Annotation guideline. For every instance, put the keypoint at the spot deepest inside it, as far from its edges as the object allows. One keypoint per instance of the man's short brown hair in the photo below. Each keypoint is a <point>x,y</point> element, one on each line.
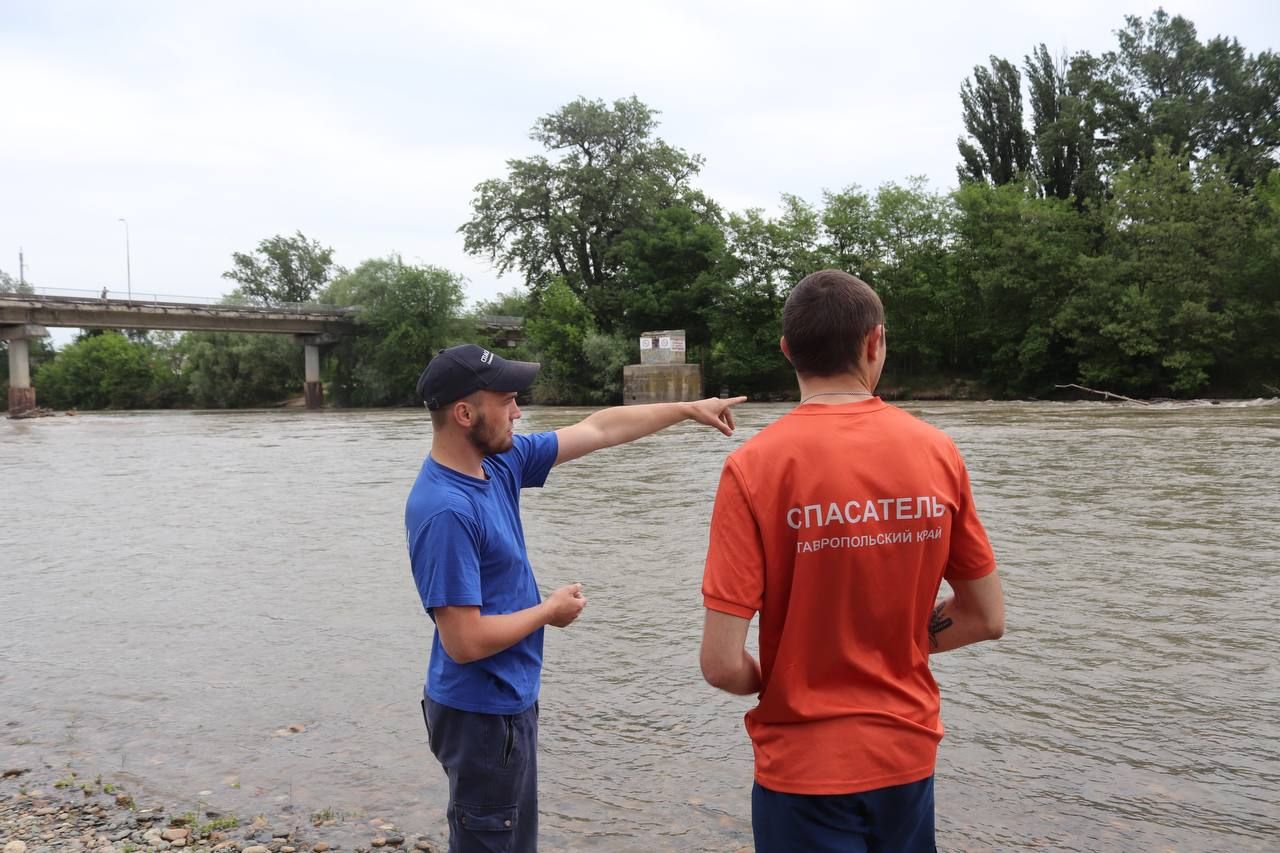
<point>827,318</point>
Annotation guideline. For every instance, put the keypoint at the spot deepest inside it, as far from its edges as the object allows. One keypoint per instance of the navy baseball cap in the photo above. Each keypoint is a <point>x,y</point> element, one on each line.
<point>458,371</point>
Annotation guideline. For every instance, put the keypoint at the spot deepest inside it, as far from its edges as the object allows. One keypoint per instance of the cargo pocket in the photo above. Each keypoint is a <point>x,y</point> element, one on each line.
<point>488,828</point>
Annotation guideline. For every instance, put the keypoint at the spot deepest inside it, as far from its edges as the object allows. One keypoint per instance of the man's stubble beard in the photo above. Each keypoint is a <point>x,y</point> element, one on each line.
<point>481,441</point>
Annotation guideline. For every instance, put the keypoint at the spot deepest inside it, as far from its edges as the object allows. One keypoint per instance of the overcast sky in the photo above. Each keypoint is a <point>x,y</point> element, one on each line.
<point>366,125</point>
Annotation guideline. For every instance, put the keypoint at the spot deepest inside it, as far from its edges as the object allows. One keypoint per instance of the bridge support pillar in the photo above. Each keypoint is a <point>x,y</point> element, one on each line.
<point>314,388</point>
<point>22,397</point>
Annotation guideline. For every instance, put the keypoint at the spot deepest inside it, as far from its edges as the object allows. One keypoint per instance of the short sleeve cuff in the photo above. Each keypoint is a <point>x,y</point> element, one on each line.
<point>542,448</point>
<point>959,573</point>
<point>721,606</point>
<point>457,601</point>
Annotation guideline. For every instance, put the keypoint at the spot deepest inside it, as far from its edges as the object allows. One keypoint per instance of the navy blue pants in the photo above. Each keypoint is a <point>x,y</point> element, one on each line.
<point>492,764</point>
<point>890,820</point>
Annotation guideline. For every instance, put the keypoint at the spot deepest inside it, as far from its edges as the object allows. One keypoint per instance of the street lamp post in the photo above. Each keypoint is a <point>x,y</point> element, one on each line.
<point>128,269</point>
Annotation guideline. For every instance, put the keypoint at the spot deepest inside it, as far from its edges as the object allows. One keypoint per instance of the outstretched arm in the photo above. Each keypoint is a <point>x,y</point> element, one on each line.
<point>975,613</point>
<point>620,424</point>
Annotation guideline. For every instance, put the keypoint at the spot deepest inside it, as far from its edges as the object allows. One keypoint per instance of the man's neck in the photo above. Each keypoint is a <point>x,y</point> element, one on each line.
<point>455,452</point>
<point>835,390</point>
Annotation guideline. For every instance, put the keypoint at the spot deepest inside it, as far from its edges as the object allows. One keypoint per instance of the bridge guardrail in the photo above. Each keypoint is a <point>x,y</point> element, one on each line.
<point>62,294</point>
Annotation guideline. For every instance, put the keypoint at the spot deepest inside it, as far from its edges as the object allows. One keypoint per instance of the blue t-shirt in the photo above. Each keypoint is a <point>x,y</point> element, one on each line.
<point>466,546</point>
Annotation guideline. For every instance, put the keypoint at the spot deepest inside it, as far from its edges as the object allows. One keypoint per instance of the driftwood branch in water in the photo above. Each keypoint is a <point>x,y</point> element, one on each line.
<point>1107,394</point>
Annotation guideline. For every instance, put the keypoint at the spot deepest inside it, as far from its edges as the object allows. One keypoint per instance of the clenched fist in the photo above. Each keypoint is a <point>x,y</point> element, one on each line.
<point>565,604</point>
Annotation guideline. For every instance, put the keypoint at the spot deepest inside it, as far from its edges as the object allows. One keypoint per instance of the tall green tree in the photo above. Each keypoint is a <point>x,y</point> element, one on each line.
<point>997,148</point>
<point>1242,122</point>
<point>914,274</point>
<point>562,216</point>
<point>769,256</point>
<point>1166,88</point>
<point>1158,88</point>
<point>1019,258</point>
<point>1251,365</point>
<point>1064,122</point>
<point>558,331</point>
<point>1153,318</point>
<point>672,274</point>
<point>283,270</point>
<point>409,312</point>
<point>852,238</point>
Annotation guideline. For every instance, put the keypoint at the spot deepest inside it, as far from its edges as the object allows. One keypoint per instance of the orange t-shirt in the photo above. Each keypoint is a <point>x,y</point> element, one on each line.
<point>837,525</point>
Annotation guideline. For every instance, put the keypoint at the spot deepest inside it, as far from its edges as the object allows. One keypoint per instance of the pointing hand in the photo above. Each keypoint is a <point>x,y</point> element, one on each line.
<point>715,412</point>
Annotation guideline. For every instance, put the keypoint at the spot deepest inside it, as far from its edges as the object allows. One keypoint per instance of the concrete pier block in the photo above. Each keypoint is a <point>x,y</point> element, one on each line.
<point>661,383</point>
<point>312,363</point>
<point>22,397</point>
<point>314,394</point>
<point>21,400</point>
<point>313,389</point>
<point>19,363</point>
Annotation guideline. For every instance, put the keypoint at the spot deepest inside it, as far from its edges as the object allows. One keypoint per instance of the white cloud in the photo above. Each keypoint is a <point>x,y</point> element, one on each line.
<point>366,126</point>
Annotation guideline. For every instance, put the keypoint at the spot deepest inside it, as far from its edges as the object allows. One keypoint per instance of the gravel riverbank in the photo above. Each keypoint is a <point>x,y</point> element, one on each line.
<point>59,812</point>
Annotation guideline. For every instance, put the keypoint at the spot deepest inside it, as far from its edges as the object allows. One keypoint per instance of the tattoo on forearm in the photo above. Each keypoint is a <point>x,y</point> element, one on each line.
<point>937,624</point>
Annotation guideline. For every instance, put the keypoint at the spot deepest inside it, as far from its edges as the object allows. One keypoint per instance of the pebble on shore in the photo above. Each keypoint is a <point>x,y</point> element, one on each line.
<point>48,816</point>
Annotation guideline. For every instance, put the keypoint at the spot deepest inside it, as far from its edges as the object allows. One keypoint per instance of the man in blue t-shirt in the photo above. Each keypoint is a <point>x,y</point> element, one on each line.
<point>467,550</point>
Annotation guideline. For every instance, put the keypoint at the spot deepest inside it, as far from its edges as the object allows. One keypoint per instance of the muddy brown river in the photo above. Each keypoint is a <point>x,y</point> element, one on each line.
<point>177,589</point>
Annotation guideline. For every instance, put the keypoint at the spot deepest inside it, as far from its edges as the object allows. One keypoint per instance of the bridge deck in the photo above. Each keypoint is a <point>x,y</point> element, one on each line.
<point>90,313</point>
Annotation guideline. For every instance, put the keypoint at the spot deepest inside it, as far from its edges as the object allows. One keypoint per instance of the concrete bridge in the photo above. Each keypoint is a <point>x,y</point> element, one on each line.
<point>24,316</point>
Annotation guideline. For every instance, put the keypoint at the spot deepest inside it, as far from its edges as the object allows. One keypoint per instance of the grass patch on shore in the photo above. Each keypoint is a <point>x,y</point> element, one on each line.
<point>325,815</point>
<point>202,829</point>
<point>97,786</point>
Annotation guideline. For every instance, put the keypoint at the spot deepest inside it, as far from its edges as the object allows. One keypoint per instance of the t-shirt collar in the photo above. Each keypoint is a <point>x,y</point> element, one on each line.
<point>870,404</point>
<point>459,477</point>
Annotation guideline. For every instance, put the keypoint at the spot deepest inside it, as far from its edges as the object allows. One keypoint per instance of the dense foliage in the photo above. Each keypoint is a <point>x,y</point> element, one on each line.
<point>283,270</point>
<point>108,371</point>
<point>1116,224</point>
<point>408,312</point>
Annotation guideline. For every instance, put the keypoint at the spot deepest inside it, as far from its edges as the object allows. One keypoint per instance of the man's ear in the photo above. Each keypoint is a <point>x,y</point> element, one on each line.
<point>462,413</point>
<point>786,350</point>
<point>872,347</point>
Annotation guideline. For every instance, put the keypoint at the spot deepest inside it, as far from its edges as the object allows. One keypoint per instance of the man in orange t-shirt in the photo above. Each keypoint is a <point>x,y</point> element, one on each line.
<point>838,524</point>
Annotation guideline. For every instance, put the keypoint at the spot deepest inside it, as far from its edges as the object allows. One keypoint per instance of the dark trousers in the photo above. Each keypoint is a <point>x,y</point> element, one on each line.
<point>887,820</point>
<point>492,764</point>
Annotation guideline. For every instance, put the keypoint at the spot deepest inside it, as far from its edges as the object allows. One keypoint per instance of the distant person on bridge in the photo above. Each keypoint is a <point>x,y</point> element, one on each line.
<point>837,524</point>
<point>467,551</point>
<point>104,294</point>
